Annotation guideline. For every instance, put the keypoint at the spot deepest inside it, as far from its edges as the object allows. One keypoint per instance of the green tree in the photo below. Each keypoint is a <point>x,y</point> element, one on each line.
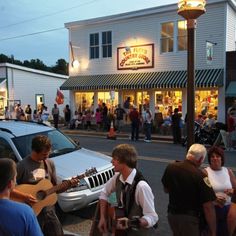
<point>61,66</point>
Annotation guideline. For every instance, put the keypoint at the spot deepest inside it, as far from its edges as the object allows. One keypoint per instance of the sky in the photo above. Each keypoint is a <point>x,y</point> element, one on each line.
<point>22,20</point>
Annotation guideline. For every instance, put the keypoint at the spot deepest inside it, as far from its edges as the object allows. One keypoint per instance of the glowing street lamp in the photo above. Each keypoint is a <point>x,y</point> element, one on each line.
<point>191,10</point>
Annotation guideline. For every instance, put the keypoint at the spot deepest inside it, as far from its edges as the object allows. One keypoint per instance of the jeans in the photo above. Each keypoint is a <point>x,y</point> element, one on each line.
<point>135,130</point>
<point>148,127</point>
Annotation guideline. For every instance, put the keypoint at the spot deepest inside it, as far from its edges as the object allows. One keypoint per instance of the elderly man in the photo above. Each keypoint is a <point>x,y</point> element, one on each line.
<point>189,192</point>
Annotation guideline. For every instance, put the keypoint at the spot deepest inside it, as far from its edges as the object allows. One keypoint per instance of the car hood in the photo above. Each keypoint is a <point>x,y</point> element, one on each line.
<point>77,162</point>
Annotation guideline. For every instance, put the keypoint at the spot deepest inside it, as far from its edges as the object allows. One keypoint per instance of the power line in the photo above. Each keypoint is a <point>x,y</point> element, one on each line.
<point>30,34</point>
<point>47,15</point>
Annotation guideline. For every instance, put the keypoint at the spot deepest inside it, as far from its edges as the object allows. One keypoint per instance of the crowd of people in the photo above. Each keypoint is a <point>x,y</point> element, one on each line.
<point>202,201</point>
<point>41,114</point>
<point>140,119</point>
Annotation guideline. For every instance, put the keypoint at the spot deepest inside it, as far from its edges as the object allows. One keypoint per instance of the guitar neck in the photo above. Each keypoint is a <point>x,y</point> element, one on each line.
<point>62,187</point>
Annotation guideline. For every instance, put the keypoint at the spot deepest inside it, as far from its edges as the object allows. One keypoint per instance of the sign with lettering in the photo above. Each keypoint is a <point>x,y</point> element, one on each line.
<point>135,57</point>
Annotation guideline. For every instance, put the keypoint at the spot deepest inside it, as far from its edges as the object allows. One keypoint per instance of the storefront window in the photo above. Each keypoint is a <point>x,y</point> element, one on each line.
<point>110,98</point>
<point>84,101</point>
<point>206,102</point>
<point>143,100</point>
<point>1,105</point>
<point>167,101</point>
<point>129,99</point>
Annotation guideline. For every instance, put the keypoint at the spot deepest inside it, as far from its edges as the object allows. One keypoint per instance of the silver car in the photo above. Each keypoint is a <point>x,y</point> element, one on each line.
<point>70,160</point>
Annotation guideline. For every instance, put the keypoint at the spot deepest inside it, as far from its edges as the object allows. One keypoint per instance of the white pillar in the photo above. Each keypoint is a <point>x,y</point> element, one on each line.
<point>120,98</point>
<point>184,102</point>
<point>95,100</point>
<point>152,101</point>
<point>71,102</point>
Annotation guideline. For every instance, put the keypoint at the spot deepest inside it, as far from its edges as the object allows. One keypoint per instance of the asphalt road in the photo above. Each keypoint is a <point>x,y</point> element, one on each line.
<point>153,159</point>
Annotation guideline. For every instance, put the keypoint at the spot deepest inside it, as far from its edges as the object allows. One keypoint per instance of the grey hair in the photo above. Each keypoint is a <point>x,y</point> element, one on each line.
<point>196,151</point>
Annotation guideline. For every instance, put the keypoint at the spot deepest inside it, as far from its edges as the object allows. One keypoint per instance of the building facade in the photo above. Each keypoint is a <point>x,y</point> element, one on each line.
<point>23,85</point>
<point>142,56</point>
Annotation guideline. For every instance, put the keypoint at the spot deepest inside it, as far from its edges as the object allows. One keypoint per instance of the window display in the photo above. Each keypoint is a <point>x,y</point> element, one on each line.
<point>167,101</point>
<point>206,102</point>
<point>84,101</point>
<point>110,98</point>
<point>143,100</point>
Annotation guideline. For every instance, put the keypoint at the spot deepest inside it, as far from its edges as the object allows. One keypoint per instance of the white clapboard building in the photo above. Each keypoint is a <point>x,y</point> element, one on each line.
<point>142,56</point>
<point>23,85</point>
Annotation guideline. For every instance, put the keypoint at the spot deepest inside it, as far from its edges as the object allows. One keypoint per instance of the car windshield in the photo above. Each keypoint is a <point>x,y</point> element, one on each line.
<point>61,144</point>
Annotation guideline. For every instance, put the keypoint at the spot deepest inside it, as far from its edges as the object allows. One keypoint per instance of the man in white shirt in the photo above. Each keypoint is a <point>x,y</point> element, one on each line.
<point>134,200</point>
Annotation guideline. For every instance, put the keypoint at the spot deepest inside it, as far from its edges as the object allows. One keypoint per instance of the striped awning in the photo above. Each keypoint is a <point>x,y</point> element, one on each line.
<point>150,80</point>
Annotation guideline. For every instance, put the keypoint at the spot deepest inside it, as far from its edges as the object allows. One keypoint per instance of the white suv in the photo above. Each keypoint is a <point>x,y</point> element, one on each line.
<point>69,158</point>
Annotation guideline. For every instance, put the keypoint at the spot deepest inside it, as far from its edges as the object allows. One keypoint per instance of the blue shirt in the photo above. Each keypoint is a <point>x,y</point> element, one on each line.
<point>17,219</point>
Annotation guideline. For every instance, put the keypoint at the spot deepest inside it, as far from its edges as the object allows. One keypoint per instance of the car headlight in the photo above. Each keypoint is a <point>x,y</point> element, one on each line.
<point>81,186</point>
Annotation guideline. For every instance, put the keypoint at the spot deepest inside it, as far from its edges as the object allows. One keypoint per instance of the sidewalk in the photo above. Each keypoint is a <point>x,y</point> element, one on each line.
<point>123,134</point>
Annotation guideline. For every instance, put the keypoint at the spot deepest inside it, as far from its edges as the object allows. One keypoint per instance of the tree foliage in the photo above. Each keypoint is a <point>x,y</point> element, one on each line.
<point>61,66</point>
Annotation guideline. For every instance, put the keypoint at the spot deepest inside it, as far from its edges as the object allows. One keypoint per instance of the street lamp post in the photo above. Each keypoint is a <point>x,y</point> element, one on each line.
<point>191,10</point>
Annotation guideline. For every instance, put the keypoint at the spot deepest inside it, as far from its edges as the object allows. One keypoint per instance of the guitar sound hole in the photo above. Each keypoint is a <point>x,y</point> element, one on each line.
<point>41,195</point>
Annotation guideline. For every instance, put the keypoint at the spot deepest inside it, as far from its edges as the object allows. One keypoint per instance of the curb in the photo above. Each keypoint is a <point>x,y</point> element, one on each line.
<point>118,135</point>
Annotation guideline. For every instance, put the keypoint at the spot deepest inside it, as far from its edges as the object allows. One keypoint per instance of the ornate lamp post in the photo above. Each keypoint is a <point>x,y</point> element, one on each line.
<point>191,10</point>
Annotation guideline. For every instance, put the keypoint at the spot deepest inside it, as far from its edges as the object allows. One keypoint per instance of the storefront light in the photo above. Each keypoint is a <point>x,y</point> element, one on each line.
<point>75,64</point>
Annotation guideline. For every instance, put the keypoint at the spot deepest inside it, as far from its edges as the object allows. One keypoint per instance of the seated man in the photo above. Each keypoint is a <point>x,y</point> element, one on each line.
<point>15,218</point>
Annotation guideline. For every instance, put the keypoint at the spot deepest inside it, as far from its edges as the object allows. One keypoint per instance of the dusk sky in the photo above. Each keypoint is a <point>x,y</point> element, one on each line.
<point>20,18</point>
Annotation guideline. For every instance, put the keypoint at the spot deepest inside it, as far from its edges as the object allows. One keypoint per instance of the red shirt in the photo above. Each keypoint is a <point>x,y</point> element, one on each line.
<point>134,115</point>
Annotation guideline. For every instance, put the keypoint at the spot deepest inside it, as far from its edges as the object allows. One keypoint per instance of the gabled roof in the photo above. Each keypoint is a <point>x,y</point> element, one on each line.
<point>23,68</point>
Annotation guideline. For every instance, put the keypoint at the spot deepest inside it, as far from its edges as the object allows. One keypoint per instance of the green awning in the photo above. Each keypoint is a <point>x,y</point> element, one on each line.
<point>231,89</point>
<point>150,80</point>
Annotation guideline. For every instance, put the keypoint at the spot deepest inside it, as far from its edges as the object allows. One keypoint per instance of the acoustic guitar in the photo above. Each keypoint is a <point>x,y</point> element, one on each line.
<point>113,216</point>
<point>46,193</point>
<point>116,217</point>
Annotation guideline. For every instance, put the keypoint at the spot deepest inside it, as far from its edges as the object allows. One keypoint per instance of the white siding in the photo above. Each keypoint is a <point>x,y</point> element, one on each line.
<point>24,85</point>
<point>230,29</point>
<point>146,29</point>
<point>2,73</point>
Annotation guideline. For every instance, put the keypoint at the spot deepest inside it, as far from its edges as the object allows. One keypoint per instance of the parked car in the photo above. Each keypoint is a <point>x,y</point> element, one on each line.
<point>70,160</point>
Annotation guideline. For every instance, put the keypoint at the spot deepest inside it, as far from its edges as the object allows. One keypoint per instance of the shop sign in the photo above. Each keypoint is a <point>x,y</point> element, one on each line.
<point>135,57</point>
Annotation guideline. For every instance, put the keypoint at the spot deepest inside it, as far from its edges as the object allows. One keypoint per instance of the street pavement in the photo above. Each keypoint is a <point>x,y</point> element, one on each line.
<point>153,159</point>
<point>122,134</point>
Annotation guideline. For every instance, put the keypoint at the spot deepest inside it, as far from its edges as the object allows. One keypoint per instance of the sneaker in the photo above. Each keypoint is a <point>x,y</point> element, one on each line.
<point>147,141</point>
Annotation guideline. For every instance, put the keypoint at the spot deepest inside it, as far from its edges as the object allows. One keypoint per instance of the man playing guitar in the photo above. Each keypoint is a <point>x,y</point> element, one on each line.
<point>33,169</point>
<point>135,200</point>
